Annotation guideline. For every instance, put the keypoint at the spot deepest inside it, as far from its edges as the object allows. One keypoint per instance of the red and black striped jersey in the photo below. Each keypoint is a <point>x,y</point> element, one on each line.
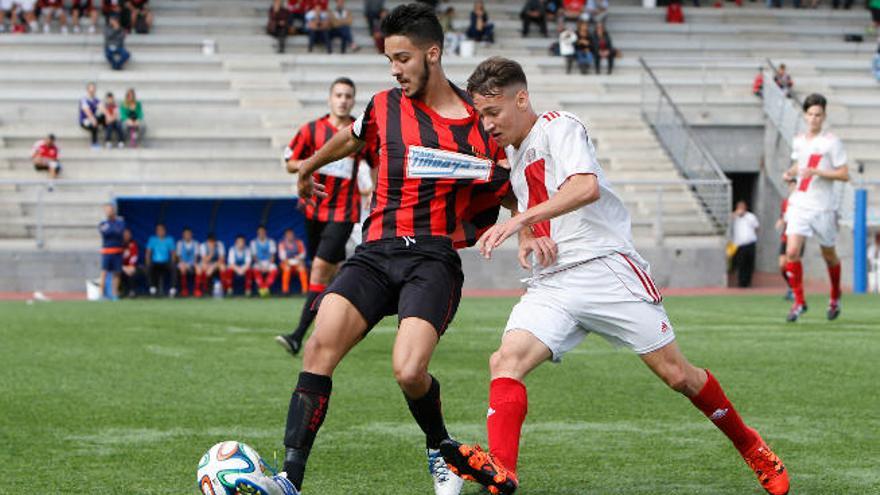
<point>339,178</point>
<point>436,176</point>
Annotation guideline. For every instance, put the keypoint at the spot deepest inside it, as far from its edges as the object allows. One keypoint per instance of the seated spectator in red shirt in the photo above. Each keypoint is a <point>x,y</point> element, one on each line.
<point>84,8</point>
<point>130,268</point>
<point>603,48</point>
<point>44,155</point>
<point>571,11</point>
<point>17,10</point>
<point>296,20</point>
<point>112,122</point>
<point>292,256</point>
<point>277,26</point>
<point>141,17</point>
<point>318,27</point>
<point>758,83</point>
<point>480,28</point>
<point>50,9</point>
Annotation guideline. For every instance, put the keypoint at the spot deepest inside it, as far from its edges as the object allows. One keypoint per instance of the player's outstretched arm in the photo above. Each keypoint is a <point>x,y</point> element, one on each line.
<point>839,173</point>
<point>578,191</point>
<point>341,145</point>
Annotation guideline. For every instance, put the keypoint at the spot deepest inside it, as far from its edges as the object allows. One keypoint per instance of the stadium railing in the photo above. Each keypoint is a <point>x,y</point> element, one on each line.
<point>654,196</point>
<point>689,154</point>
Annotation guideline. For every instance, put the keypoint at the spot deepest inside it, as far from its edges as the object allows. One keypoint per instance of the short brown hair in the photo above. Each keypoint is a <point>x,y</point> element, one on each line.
<point>813,100</point>
<point>495,74</point>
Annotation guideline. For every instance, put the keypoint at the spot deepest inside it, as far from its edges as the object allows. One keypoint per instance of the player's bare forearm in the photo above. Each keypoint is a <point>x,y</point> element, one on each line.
<point>341,145</point>
<point>839,173</point>
<point>578,191</point>
<point>294,165</point>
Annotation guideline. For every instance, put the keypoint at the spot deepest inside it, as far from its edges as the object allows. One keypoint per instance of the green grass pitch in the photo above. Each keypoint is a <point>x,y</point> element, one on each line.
<point>124,398</point>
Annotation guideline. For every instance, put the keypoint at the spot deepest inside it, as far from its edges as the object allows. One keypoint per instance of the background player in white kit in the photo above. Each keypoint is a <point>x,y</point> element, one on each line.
<point>819,160</point>
<point>589,279</point>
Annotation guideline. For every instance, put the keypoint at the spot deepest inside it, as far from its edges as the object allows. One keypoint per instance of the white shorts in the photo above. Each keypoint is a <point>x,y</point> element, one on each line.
<point>613,296</point>
<point>807,223</point>
<point>265,266</point>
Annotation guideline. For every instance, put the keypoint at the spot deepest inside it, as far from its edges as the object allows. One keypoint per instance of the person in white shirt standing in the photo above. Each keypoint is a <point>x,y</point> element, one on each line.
<point>587,277</point>
<point>744,235</point>
<point>818,160</point>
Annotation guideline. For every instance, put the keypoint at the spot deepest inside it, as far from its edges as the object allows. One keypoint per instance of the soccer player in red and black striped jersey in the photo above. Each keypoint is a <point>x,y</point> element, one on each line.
<point>440,180</point>
<point>329,219</point>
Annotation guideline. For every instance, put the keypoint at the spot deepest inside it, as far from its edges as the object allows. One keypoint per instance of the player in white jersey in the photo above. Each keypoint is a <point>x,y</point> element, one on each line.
<point>587,277</point>
<point>818,160</point>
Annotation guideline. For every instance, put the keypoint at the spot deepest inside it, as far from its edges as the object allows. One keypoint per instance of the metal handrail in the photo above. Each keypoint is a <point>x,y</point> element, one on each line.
<point>699,142</point>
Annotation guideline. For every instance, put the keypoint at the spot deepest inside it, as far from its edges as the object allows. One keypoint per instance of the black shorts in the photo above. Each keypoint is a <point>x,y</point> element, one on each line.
<point>327,240</point>
<point>875,15</point>
<point>420,279</point>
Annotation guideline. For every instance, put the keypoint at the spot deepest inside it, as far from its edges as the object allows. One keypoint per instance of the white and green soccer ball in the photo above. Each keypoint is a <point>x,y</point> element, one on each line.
<point>234,468</point>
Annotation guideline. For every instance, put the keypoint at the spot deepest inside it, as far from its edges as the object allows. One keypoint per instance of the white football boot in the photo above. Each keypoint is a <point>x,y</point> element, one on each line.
<point>445,482</point>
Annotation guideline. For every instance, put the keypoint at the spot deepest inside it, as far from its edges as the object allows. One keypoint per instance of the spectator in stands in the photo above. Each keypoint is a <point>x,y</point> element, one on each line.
<point>187,261</point>
<point>212,257</point>
<point>112,247</point>
<point>378,37</point>
<point>27,10</point>
<point>130,268</point>
<point>874,7</point>
<point>140,15</point>
<point>160,262</point>
<point>292,256</point>
<point>44,156</point>
<point>452,37</point>
<point>296,19</point>
<point>114,44</point>
<point>53,9</point>
<point>533,12</point>
<point>877,64</point>
<point>583,49</point>
<point>90,118</point>
<point>278,26</point>
<point>597,10</point>
<point>340,27</point>
<point>758,83</point>
<point>744,228</point>
<point>84,8</point>
<point>132,114</point>
<point>372,12</point>
<point>480,28</point>
<point>113,8</point>
<point>318,26</point>
<point>783,80</point>
<point>570,11</point>
<point>112,121</point>
<point>603,47</point>
<point>874,265</point>
<point>238,266</point>
<point>552,9</point>
<point>263,251</point>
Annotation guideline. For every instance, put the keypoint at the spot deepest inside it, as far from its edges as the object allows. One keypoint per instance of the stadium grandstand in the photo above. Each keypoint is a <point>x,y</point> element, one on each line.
<point>677,126</point>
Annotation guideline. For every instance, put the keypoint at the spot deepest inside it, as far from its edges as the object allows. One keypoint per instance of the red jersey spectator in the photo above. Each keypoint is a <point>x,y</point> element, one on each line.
<point>129,264</point>
<point>84,8</point>
<point>277,26</point>
<point>112,121</point>
<point>44,155</point>
<point>758,83</point>
<point>141,16</point>
<point>50,9</point>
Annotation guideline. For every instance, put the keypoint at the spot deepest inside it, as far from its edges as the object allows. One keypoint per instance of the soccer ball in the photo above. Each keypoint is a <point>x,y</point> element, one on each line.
<point>234,468</point>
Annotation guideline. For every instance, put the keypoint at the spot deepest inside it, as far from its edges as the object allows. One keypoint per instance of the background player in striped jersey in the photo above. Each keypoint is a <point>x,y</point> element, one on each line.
<point>212,261</point>
<point>187,261</point>
<point>591,280</point>
<point>263,251</point>
<point>818,160</point>
<point>438,184</point>
<point>329,219</point>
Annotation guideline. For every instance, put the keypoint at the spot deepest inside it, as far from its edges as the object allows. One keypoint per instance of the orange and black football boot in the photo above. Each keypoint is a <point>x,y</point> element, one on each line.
<point>768,467</point>
<point>473,463</point>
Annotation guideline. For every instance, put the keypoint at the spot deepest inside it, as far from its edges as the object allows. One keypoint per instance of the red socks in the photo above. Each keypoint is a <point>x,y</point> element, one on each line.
<point>796,278</point>
<point>717,407</point>
<point>834,273</point>
<point>508,405</point>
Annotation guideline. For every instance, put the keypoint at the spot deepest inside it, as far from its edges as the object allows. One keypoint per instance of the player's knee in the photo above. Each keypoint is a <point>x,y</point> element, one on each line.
<point>675,377</point>
<point>409,375</point>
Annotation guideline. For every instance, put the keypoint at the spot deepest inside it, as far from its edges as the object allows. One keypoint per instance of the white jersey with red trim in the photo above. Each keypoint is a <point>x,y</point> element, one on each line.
<point>557,148</point>
<point>822,152</point>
